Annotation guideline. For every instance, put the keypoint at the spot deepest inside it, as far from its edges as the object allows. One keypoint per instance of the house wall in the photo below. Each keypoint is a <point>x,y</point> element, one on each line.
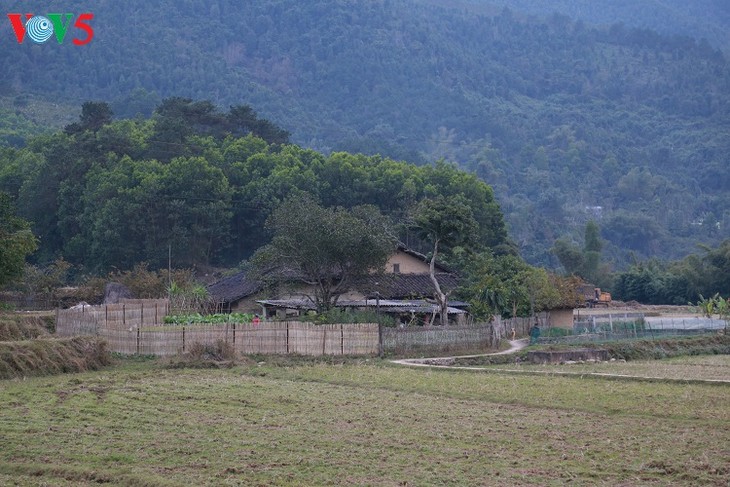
<point>408,264</point>
<point>561,318</point>
<point>247,305</point>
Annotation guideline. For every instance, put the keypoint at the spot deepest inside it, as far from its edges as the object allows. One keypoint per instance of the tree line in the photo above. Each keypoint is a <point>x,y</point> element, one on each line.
<point>699,275</point>
<point>105,195</point>
<point>196,185</point>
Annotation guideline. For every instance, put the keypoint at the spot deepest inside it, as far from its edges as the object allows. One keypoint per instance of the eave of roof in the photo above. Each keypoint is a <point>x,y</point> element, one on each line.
<point>385,305</point>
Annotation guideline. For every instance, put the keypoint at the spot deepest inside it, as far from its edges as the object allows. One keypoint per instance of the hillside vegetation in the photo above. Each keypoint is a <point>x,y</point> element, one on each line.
<point>700,19</point>
<point>197,185</point>
<point>565,120</point>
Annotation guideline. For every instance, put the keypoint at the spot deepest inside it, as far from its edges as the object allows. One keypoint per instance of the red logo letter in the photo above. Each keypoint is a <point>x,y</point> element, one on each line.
<point>81,24</point>
<point>18,26</point>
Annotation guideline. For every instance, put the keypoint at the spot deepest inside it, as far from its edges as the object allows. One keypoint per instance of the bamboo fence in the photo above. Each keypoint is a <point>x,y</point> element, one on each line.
<point>129,314</point>
<point>439,338</point>
<point>136,327</point>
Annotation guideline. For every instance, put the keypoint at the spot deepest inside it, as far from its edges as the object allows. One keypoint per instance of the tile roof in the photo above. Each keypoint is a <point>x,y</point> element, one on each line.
<point>234,287</point>
<point>405,286</point>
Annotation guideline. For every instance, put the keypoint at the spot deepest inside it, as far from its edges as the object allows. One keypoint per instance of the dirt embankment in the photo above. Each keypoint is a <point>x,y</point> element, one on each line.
<point>27,348</point>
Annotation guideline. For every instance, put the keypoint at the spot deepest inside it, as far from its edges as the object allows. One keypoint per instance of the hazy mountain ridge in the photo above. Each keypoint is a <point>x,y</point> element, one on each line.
<point>700,19</point>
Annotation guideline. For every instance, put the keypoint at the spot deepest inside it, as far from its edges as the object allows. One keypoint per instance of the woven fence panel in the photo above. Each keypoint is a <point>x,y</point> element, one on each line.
<point>120,341</point>
<point>134,328</point>
<point>360,339</point>
<point>74,322</point>
<point>115,317</point>
<point>207,335</point>
<point>147,311</point>
<point>163,341</point>
<point>405,340</point>
<point>308,339</point>
<point>332,339</point>
<point>264,338</point>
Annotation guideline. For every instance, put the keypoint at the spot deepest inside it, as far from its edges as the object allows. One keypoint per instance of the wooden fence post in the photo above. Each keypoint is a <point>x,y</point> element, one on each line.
<point>381,350</point>
<point>124,316</point>
<point>287,338</point>
<point>183,338</point>
<point>342,339</point>
<point>234,335</point>
<point>137,341</point>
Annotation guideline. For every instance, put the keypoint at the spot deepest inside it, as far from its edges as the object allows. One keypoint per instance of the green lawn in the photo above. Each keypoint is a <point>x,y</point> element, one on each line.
<point>357,423</point>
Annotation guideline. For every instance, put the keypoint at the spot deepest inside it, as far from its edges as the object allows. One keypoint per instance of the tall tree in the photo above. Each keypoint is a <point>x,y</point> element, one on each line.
<point>16,242</point>
<point>444,223</point>
<point>326,249</point>
<point>592,251</point>
<point>94,115</point>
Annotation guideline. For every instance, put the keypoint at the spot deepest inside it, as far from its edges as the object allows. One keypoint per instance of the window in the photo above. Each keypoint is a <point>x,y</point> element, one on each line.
<point>396,268</point>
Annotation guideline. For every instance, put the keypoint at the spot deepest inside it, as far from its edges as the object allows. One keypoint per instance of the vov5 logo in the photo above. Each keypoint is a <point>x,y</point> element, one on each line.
<point>41,28</point>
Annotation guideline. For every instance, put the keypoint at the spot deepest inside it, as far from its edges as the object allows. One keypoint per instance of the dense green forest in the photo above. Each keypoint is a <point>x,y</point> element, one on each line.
<point>199,184</point>
<point>566,121</point>
<point>700,19</point>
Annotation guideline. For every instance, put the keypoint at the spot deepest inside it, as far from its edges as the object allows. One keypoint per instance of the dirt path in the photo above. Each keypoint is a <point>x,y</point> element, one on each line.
<point>515,345</point>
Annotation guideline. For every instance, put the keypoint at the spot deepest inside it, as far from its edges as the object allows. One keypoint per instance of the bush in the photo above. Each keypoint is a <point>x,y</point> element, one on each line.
<point>218,318</point>
<point>206,355</point>
<point>341,316</point>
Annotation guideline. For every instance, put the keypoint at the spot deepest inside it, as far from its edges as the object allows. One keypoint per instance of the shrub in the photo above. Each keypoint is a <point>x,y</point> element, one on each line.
<point>206,355</point>
<point>337,315</point>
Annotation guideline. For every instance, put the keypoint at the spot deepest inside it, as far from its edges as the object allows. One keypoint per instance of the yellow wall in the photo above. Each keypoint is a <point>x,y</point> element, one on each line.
<point>408,264</point>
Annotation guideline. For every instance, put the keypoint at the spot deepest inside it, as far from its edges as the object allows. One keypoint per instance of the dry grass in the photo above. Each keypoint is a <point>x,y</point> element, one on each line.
<point>20,327</point>
<point>52,356</point>
<point>703,367</point>
<point>357,423</point>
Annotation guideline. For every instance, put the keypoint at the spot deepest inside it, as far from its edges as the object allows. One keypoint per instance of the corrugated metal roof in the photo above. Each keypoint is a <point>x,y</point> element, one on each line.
<point>385,305</point>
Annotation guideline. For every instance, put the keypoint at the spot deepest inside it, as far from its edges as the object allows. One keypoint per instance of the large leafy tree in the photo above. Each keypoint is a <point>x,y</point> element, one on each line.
<point>506,285</point>
<point>16,241</point>
<point>444,223</point>
<point>585,262</point>
<point>325,249</point>
<point>94,115</point>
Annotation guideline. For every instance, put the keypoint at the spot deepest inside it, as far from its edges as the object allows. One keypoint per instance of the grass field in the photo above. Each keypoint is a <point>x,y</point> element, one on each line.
<point>358,423</point>
<point>703,367</point>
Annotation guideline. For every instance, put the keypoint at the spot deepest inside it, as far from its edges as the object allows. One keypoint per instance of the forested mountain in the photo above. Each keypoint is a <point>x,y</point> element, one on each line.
<point>700,19</point>
<point>565,120</point>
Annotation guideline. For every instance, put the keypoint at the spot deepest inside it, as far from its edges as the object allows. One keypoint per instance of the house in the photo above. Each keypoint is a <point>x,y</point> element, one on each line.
<point>236,293</point>
<point>404,283</point>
